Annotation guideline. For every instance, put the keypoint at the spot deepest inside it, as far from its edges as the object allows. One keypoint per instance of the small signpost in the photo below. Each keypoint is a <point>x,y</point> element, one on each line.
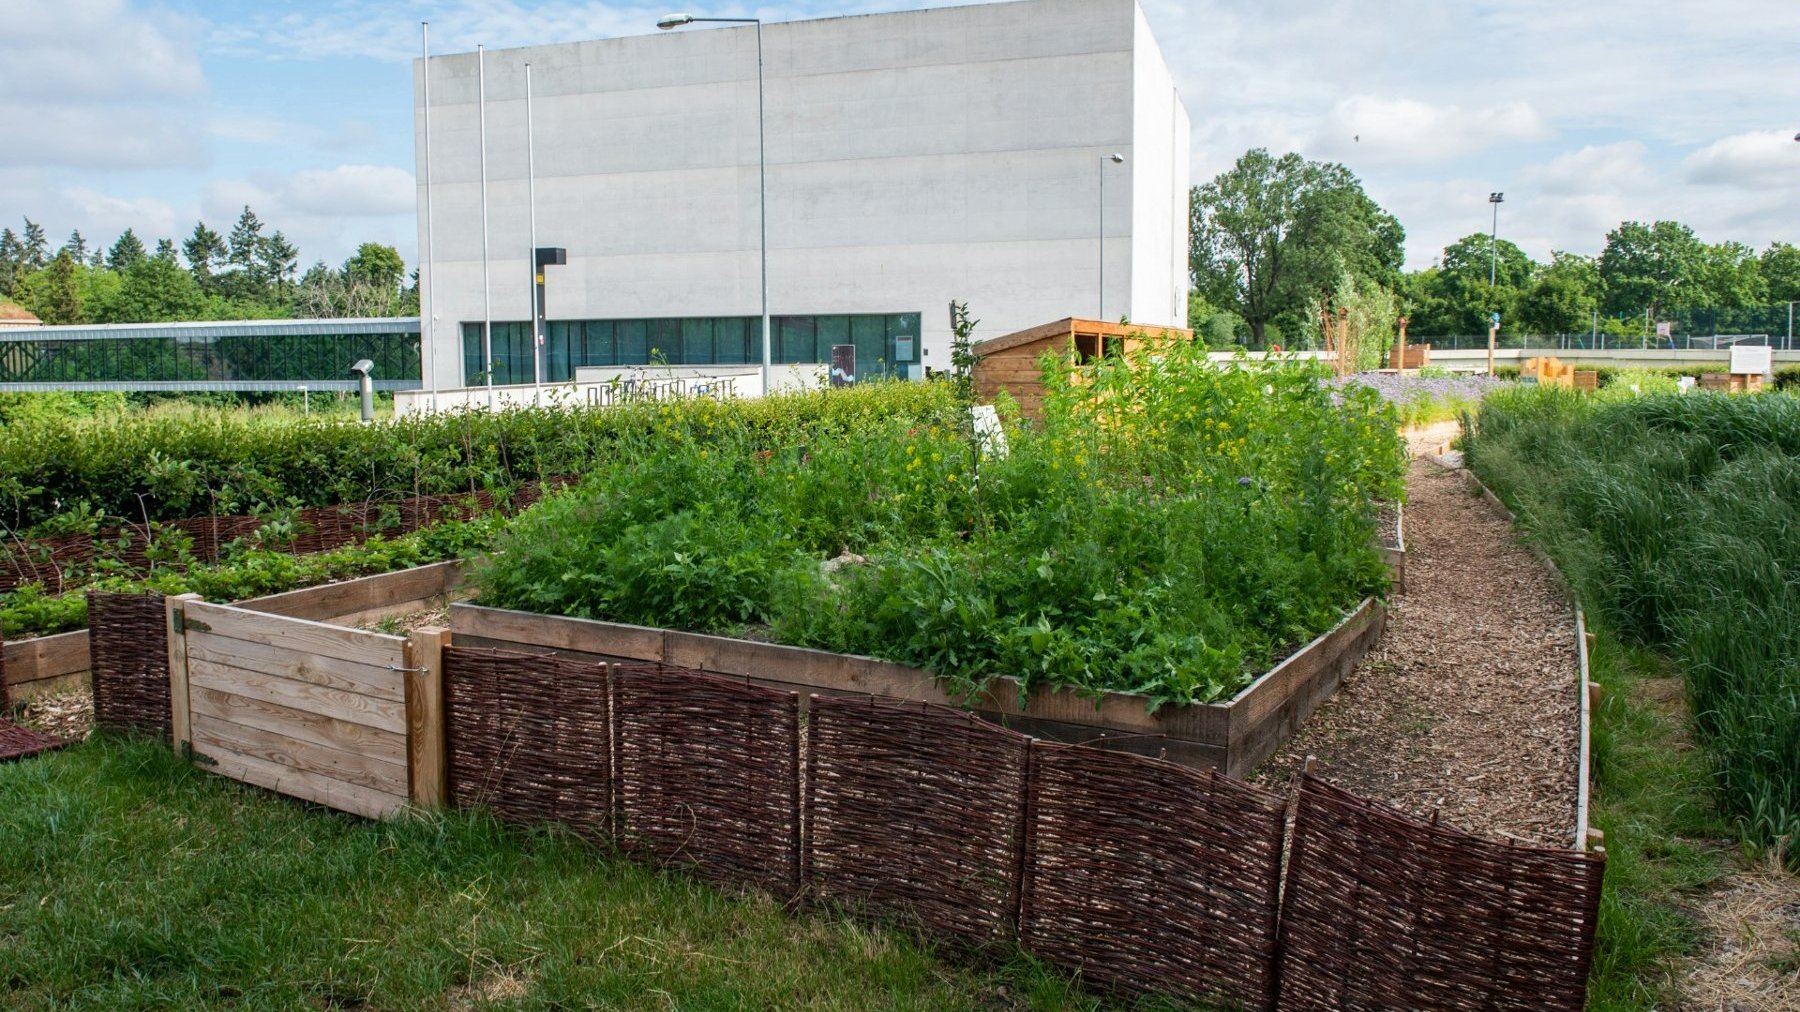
<point>843,365</point>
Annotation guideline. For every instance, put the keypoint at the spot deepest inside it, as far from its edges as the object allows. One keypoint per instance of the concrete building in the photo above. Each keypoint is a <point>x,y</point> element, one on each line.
<point>913,158</point>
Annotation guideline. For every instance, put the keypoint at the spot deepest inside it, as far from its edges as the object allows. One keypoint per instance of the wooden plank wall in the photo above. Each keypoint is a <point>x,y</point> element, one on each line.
<point>306,709</point>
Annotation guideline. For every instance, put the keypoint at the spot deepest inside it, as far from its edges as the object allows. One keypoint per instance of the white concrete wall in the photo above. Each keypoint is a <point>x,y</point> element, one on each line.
<point>1158,236</point>
<point>913,158</point>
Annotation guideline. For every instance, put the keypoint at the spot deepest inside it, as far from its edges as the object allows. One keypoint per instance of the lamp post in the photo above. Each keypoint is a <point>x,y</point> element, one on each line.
<point>671,21</point>
<point>1494,240</point>
<point>1114,158</point>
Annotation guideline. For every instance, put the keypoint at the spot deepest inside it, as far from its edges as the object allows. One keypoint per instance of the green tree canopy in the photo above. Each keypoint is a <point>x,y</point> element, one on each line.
<point>1654,268</point>
<point>1563,297</point>
<point>205,251</point>
<point>155,290</point>
<point>1271,236</point>
<point>126,252</point>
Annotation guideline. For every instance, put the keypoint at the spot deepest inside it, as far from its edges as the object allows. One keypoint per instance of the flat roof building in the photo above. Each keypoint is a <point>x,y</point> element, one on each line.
<point>913,158</point>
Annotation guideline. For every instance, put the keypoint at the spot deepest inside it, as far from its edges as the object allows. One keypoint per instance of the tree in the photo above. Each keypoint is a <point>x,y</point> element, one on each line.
<point>1654,268</point>
<point>1730,277</point>
<point>277,259</point>
<point>1465,300</point>
<point>156,289</point>
<point>1781,271</point>
<point>56,301</point>
<point>35,249</point>
<point>376,265</point>
<point>1563,298</point>
<point>10,252</point>
<point>246,243</point>
<point>205,251</point>
<point>77,247</point>
<point>1269,235</point>
<point>126,252</point>
<point>165,250</point>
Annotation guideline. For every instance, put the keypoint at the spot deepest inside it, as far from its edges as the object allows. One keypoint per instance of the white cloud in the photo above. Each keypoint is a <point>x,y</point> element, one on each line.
<point>1761,159</point>
<point>101,214</point>
<point>1595,169</point>
<point>1372,129</point>
<point>323,210</point>
<point>95,84</point>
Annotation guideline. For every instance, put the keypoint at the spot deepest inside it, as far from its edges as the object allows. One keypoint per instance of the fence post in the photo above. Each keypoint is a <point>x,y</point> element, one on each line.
<point>426,760</point>
<point>175,617</point>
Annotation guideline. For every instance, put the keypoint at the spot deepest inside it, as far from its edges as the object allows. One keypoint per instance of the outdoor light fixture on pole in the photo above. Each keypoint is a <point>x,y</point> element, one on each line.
<point>670,21</point>
<point>1116,159</point>
<point>1494,240</point>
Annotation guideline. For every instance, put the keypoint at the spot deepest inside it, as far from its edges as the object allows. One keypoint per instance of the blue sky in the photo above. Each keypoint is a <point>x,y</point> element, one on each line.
<point>117,113</point>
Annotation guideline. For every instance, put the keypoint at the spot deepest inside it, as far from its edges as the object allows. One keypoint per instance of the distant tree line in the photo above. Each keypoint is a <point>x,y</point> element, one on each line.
<point>245,274</point>
<point>1275,243</point>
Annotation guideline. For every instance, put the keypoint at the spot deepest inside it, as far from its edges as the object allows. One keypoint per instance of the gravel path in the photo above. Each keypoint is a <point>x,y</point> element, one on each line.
<point>1467,705</point>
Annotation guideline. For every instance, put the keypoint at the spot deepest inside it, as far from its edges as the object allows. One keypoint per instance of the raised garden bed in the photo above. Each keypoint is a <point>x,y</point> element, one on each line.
<point>60,662</point>
<point>1231,736</point>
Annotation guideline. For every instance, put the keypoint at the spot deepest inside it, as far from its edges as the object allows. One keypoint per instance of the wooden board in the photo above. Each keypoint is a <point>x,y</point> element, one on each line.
<point>297,635</point>
<point>295,783</point>
<point>37,665</point>
<point>303,725</point>
<point>403,589</point>
<point>318,669</point>
<point>350,706</point>
<point>271,747</point>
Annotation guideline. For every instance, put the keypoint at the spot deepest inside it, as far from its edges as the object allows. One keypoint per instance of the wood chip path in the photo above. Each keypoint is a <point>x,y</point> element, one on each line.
<point>1467,705</point>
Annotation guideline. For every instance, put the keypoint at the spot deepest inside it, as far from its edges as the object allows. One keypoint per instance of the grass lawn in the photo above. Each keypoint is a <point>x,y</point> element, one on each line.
<point>129,880</point>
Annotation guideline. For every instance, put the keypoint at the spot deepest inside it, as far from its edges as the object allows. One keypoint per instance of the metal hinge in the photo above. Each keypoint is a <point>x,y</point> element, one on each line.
<point>182,624</point>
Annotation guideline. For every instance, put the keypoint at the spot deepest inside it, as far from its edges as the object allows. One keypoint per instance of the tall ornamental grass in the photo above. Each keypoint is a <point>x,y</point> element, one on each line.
<point>1678,517</point>
<point>1165,530</point>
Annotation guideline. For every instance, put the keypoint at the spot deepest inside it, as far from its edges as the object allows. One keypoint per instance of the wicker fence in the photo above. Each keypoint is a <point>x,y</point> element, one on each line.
<point>317,529</point>
<point>128,647</point>
<point>1140,875</point>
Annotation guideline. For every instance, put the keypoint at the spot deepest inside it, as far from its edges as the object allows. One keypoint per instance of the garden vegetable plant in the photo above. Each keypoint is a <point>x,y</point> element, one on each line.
<point>1166,529</point>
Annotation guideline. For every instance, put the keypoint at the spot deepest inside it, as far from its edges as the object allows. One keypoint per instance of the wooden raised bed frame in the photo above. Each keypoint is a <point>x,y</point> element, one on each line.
<point>1231,736</point>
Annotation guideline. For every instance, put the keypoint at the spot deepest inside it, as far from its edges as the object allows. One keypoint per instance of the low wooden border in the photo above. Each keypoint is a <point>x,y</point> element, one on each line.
<point>1231,736</point>
<point>60,662</point>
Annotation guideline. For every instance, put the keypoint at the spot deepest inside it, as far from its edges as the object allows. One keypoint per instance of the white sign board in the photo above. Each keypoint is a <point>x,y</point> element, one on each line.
<point>989,435</point>
<point>1758,359</point>
<point>1664,329</point>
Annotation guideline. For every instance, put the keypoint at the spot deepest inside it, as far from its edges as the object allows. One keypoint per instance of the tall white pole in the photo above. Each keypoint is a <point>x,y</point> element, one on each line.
<point>426,279</point>
<point>1100,191</point>
<point>762,211</point>
<point>537,334</point>
<point>487,303</point>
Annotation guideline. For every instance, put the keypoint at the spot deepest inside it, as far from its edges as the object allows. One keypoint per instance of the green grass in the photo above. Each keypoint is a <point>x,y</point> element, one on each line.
<point>1675,516</point>
<point>130,880</point>
<point>1663,836</point>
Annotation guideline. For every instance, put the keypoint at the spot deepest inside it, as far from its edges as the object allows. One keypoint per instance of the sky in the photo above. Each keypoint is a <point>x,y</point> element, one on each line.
<point>117,113</point>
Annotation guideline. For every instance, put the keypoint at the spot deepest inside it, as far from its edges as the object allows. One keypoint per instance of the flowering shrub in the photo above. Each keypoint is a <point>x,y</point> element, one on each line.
<point>1166,529</point>
<point>1422,400</point>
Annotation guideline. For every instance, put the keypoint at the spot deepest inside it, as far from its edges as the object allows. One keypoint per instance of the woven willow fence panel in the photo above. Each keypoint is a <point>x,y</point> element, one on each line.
<point>528,736</point>
<point>1383,912</point>
<point>1148,876</point>
<point>128,661</point>
<point>916,811</point>
<point>708,774</point>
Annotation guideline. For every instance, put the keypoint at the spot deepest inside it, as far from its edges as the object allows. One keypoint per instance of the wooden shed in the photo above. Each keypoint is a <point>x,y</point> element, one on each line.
<point>1010,363</point>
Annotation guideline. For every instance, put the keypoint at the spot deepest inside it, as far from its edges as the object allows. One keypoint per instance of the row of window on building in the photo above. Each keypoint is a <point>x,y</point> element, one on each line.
<point>885,344</point>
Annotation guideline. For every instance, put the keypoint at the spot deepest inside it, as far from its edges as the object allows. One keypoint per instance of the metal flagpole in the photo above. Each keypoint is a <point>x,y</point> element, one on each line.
<point>537,334</point>
<point>487,293</point>
<point>429,373</point>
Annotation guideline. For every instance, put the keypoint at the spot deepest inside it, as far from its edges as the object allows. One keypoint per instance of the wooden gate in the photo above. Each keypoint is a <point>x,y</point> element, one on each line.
<point>341,717</point>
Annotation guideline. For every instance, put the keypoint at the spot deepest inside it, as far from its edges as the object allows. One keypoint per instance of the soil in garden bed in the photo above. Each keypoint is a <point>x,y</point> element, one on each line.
<point>1466,707</point>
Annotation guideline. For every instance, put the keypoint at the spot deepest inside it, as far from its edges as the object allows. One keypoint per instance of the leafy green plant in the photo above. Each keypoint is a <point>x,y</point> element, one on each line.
<point>1164,531</point>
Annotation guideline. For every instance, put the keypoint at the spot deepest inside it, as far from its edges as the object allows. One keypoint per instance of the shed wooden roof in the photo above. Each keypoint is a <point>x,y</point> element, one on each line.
<point>1069,327</point>
<point>16,314</point>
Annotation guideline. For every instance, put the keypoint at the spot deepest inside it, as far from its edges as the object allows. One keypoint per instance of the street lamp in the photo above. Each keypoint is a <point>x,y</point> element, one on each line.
<point>1116,159</point>
<point>1494,240</point>
<point>669,21</point>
